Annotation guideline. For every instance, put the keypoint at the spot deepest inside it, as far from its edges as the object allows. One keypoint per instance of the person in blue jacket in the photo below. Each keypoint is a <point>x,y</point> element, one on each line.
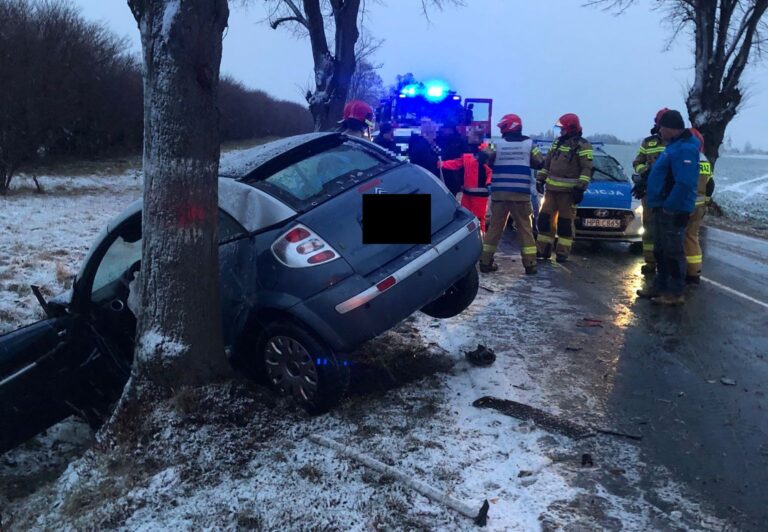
<point>671,193</point>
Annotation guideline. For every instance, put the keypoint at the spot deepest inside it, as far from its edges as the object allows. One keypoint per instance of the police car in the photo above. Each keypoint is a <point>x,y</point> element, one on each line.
<point>608,211</point>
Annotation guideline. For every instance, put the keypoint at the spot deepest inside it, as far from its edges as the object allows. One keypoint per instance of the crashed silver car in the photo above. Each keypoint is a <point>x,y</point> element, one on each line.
<point>300,290</point>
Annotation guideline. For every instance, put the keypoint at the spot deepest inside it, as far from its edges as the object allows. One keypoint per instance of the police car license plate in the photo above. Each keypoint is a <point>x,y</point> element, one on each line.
<point>597,222</point>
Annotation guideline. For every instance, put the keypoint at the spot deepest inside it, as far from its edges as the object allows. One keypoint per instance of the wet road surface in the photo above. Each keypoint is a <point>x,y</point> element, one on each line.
<point>693,380</point>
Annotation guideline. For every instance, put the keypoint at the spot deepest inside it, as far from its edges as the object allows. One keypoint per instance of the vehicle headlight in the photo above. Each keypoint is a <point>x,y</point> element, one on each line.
<point>638,210</point>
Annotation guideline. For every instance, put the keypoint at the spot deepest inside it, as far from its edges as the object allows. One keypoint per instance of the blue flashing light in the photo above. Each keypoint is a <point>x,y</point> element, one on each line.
<point>436,90</point>
<point>410,90</point>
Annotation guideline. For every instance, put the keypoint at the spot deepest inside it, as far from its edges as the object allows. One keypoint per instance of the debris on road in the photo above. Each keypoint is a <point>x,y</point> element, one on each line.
<point>540,417</point>
<point>480,518</point>
<point>728,382</point>
<point>587,461</point>
<point>482,356</point>
<point>488,289</point>
<point>574,349</point>
<point>589,322</point>
<point>547,420</point>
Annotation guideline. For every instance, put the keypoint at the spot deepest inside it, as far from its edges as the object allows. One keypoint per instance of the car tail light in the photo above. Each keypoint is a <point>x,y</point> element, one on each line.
<point>300,248</point>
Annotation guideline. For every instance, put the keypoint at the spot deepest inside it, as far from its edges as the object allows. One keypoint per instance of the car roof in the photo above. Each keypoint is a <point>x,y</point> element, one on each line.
<point>241,163</point>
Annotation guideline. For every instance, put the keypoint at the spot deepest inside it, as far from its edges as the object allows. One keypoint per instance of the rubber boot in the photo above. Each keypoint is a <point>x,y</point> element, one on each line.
<point>562,258</point>
<point>489,268</point>
<point>531,270</point>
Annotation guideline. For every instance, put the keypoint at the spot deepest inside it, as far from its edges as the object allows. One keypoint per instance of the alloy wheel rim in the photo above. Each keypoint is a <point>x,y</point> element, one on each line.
<point>291,369</point>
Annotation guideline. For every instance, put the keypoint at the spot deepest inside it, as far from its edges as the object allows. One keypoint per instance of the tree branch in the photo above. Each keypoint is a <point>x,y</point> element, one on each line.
<point>275,23</point>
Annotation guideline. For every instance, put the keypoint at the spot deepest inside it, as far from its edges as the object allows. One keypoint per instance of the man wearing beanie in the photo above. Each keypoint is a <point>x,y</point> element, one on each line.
<point>671,194</point>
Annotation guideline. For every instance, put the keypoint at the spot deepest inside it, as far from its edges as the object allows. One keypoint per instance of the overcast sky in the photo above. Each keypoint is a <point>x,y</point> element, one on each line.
<point>539,59</point>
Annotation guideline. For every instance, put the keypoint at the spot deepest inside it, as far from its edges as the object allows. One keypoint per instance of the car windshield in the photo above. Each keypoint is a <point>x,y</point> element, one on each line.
<point>607,169</point>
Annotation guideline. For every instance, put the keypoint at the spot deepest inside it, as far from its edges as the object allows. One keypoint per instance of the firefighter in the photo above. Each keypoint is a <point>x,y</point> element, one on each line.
<point>649,151</point>
<point>477,178</point>
<point>704,190</point>
<point>357,119</point>
<point>566,173</point>
<point>672,186</point>
<point>511,193</point>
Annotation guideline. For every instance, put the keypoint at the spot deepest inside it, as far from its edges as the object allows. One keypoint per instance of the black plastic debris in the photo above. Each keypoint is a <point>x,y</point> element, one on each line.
<point>482,356</point>
<point>540,417</point>
<point>482,516</point>
<point>586,460</point>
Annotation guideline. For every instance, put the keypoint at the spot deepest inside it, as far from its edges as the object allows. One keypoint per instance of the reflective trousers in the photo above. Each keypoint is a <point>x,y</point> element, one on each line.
<point>556,218</point>
<point>669,233</point>
<point>693,254</point>
<point>648,233</point>
<point>521,213</point>
<point>477,205</point>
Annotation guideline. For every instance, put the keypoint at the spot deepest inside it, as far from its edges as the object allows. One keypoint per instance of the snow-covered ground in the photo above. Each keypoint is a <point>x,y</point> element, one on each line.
<point>233,457</point>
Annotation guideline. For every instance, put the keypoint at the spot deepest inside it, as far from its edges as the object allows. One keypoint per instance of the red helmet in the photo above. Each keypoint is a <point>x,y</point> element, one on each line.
<point>360,111</point>
<point>659,115</point>
<point>696,133</point>
<point>570,124</point>
<point>487,147</point>
<point>510,123</point>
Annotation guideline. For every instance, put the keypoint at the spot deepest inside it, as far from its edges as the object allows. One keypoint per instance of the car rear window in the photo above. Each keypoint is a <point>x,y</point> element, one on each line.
<point>314,176</point>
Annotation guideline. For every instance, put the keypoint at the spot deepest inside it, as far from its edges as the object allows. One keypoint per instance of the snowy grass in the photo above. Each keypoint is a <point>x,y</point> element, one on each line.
<point>232,457</point>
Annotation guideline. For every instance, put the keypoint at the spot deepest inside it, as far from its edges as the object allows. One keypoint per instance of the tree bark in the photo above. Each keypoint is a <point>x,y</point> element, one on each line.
<point>179,339</point>
<point>333,72</point>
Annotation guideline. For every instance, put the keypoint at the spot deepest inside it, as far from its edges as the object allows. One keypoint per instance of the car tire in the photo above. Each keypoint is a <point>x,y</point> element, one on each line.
<point>636,248</point>
<point>456,299</point>
<point>299,365</point>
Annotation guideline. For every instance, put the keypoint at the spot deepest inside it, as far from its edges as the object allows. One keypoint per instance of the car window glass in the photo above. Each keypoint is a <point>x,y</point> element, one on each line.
<point>607,169</point>
<point>122,254</point>
<point>118,258</point>
<point>308,177</point>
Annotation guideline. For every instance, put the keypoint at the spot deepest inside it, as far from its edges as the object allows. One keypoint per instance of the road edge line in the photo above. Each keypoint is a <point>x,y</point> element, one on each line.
<point>735,292</point>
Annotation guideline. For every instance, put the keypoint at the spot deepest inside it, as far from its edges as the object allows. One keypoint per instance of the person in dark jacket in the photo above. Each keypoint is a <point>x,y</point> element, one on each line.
<point>671,193</point>
<point>422,149</point>
<point>452,146</point>
<point>386,137</point>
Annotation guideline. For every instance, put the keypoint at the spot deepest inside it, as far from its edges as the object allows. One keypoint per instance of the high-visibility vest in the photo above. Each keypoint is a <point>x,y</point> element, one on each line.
<point>512,169</point>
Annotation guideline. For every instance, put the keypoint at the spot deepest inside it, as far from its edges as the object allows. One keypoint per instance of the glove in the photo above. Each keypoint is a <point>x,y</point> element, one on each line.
<point>638,191</point>
<point>578,195</point>
<point>540,187</point>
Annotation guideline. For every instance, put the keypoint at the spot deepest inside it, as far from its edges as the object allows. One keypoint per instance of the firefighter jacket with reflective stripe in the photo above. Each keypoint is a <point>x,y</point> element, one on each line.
<point>674,176</point>
<point>512,166</point>
<point>568,164</point>
<point>705,176</point>
<point>477,177</point>
<point>649,151</point>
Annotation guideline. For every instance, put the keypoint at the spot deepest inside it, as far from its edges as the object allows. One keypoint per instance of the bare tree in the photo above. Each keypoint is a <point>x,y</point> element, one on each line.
<point>179,340</point>
<point>366,84</point>
<point>340,22</point>
<point>727,34</point>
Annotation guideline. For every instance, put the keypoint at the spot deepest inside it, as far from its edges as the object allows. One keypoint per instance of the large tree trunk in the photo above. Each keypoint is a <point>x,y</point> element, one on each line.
<point>179,340</point>
<point>333,72</point>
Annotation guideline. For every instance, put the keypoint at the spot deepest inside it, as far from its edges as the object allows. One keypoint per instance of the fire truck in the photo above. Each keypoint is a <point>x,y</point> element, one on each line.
<point>409,100</point>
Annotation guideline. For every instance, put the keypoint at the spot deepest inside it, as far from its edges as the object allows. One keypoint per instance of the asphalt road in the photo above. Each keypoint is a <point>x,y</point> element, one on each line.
<point>692,380</point>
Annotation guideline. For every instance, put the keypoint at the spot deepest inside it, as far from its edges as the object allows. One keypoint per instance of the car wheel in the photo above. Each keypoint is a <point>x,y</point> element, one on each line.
<point>456,299</point>
<point>299,365</point>
<point>636,248</point>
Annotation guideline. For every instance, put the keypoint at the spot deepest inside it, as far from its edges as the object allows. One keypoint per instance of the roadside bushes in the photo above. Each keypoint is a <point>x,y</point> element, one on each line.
<point>68,88</point>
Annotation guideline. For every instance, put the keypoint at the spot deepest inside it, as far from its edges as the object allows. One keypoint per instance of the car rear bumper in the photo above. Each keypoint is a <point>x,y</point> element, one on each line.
<point>355,310</point>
